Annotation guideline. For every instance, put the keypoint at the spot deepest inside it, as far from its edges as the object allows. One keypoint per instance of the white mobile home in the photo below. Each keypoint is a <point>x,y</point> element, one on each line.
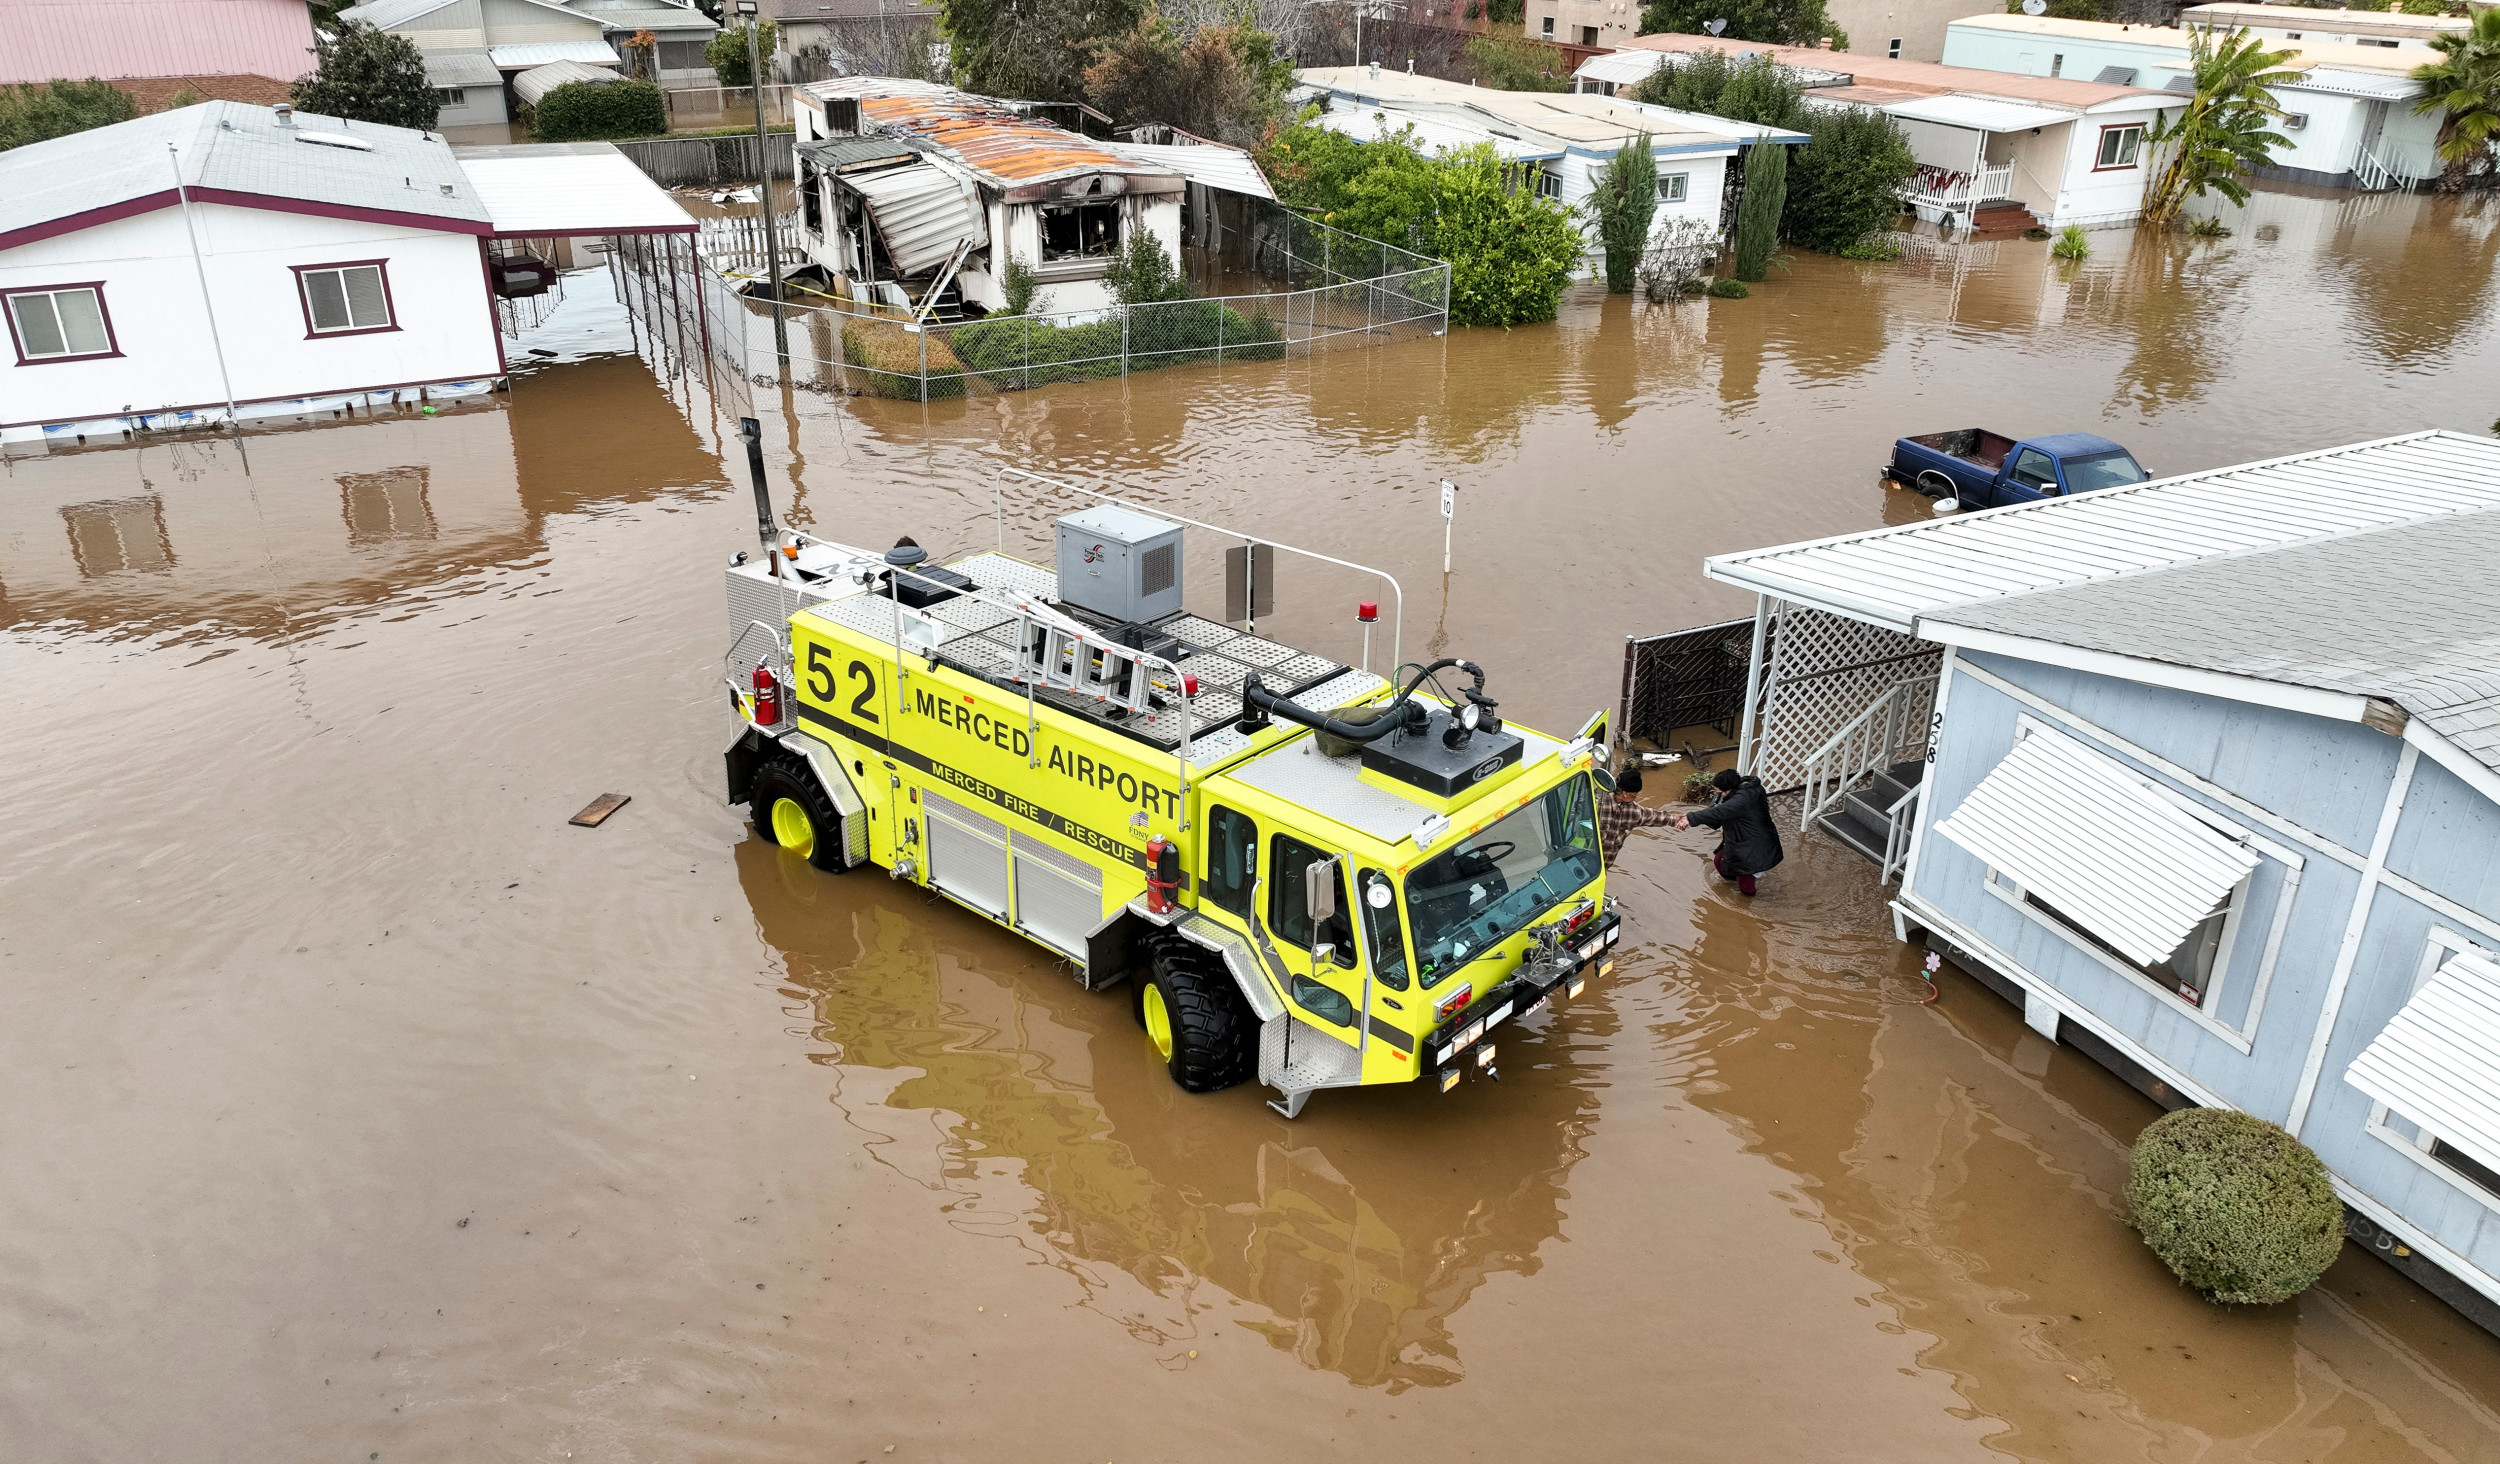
<point>339,257</point>
<point>2204,775</point>
<point>2065,151</point>
<point>1563,138</point>
<point>473,49</point>
<point>2349,116</point>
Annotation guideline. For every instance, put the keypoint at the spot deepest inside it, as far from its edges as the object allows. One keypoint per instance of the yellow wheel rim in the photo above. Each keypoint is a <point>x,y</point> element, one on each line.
<point>1158,1021</point>
<point>793,829</point>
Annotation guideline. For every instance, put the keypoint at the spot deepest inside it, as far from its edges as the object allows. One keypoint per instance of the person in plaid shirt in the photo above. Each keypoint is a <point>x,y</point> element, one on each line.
<point>1618,816</point>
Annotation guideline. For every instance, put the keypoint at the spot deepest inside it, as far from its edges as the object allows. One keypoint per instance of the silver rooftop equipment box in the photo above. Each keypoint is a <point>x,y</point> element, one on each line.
<point>1119,563</point>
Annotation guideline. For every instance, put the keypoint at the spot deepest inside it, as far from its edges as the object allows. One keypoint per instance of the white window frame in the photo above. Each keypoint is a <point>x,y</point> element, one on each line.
<point>1893,51</point>
<point>1549,183</point>
<point>314,330</point>
<point>2441,944</point>
<point>2135,153</point>
<point>1675,187</point>
<point>2235,918</point>
<point>50,295</point>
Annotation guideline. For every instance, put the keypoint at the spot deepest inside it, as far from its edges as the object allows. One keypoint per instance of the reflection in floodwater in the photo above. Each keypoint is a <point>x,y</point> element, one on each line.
<point>1355,1246</point>
<point>2419,281</point>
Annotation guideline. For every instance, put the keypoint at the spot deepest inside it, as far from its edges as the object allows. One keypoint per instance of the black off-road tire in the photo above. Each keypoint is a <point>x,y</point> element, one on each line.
<point>784,778</point>
<point>1215,1035</point>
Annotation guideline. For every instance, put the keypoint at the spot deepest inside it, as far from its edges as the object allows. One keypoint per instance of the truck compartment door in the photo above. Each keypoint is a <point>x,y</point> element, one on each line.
<point>967,854</point>
<point>1058,896</point>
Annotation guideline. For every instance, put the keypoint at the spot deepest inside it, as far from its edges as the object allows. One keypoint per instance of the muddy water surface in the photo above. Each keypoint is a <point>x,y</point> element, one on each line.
<point>358,1106</point>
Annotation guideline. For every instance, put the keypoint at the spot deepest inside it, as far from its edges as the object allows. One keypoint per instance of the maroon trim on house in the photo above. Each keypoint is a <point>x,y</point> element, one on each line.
<point>494,322</point>
<point>112,341</point>
<point>304,303</point>
<point>2097,143</point>
<point>594,232</point>
<point>256,401</point>
<point>150,203</point>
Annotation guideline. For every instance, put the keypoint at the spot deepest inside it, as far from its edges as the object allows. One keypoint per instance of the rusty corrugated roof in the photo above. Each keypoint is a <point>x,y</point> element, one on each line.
<point>984,134</point>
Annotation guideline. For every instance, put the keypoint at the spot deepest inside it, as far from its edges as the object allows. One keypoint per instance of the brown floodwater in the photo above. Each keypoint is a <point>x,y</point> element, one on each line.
<point>358,1107</point>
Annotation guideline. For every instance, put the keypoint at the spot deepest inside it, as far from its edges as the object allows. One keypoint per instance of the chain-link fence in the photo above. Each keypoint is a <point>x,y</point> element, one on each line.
<point>886,351</point>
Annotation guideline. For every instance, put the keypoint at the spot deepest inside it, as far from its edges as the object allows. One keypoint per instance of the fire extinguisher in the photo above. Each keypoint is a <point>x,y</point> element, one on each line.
<point>1163,874</point>
<point>767,697</point>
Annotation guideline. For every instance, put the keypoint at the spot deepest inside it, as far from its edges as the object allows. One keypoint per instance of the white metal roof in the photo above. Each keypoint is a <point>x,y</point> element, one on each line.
<point>2084,834</point>
<point>390,14</point>
<point>1890,577</point>
<point>461,68</point>
<point>2438,1061</point>
<point>2336,81</point>
<point>539,53</point>
<point>569,190</point>
<point>1985,114</point>
<point>237,148</point>
<point>922,211</point>
<point>1432,134</point>
<point>1213,164</point>
<point>1622,68</point>
<point>532,86</point>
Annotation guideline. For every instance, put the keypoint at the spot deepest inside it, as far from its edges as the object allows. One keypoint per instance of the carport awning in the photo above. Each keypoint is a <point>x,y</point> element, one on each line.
<point>2438,1061</point>
<point>1983,114</point>
<point>568,190</point>
<point>922,212</point>
<point>1623,68</point>
<point>2082,833</point>
<point>1213,164</point>
<point>461,68</point>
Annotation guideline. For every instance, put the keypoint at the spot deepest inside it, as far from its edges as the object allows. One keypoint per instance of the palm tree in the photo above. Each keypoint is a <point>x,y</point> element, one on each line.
<point>2465,85</point>
<point>2222,129</point>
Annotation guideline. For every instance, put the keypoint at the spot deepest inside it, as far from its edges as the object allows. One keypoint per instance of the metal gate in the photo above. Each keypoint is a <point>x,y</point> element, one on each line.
<point>1689,678</point>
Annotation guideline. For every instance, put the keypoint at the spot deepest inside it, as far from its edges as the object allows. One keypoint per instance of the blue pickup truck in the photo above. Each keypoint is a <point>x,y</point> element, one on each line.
<point>1976,468</point>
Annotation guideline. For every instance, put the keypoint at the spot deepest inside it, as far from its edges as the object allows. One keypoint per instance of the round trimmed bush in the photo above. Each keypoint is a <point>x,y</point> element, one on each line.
<point>1729,289</point>
<point>2236,1207</point>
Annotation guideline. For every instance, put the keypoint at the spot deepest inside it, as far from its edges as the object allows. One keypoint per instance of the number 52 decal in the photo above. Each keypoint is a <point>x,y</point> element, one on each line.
<point>820,681</point>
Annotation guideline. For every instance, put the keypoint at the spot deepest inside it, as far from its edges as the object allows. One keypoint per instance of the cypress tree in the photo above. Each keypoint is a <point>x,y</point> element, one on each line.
<point>1627,199</point>
<point>1758,214</point>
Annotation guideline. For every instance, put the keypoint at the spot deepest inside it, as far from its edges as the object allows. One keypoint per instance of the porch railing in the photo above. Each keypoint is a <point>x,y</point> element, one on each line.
<point>1871,741</point>
<point>2375,173</point>
<point>1958,195</point>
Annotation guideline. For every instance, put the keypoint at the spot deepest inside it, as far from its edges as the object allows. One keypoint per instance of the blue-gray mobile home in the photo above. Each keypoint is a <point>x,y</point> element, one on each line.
<point>2204,774</point>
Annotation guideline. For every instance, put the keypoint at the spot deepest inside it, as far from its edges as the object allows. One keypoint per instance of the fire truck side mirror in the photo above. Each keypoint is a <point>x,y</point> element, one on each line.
<point>1319,890</point>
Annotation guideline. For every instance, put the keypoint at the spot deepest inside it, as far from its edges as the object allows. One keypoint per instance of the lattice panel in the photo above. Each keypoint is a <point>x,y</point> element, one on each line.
<point>1824,670</point>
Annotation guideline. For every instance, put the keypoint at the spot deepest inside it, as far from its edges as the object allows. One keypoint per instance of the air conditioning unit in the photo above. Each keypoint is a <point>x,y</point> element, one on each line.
<point>2294,121</point>
<point>1120,564</point>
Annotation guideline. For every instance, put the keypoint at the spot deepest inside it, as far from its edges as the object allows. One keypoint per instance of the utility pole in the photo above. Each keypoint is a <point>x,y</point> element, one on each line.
<point>764,188</point>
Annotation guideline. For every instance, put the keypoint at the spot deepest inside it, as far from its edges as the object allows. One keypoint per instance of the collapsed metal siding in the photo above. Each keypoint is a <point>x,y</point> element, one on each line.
<point>922,212</point>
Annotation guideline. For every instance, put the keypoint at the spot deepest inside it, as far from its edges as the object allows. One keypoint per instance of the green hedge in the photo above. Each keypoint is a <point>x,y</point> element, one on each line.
<point>2236,1207</point>
<point>1014,351</point>
<point>600,111</point>
<point>886,359</point>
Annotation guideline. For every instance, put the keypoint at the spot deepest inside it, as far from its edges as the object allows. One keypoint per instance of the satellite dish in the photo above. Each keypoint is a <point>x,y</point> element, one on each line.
<point>1719,27</point>
<point>2035,7</point>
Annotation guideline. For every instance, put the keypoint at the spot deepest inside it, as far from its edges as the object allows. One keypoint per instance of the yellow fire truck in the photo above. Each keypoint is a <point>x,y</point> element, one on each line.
<point>1317,877</point>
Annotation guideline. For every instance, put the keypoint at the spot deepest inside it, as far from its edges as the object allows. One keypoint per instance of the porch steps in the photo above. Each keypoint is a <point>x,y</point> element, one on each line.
<point>1861,817</point>
<point>2003,217</point>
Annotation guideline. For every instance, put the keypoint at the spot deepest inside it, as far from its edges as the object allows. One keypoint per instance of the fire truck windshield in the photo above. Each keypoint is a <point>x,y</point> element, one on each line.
<point>1498,879</point>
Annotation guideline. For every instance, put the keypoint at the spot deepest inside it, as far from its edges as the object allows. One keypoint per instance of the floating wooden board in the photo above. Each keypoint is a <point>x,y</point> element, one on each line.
<point>599,809</point>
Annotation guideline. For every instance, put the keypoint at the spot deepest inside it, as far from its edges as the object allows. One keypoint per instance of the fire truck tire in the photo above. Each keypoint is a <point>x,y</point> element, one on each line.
<point>789,809</point>
<point>1201,1028</point>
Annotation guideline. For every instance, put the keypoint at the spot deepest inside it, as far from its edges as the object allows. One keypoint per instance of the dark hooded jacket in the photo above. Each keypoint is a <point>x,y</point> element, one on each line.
<point>1743,819</point>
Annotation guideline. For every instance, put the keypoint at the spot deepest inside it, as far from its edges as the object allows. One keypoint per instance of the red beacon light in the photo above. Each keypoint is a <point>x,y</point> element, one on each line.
<point>1189,683</point>
<point>767,697</point>
<point>1367,611</point>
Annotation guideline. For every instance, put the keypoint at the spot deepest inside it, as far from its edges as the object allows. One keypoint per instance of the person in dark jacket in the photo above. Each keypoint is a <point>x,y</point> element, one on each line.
<point>1749,843</point>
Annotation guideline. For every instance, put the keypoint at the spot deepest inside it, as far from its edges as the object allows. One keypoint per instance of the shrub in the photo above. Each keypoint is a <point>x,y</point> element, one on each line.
<point>2070,243</point>
<point>726,53</point>
<point>885,358</point>
<point>1019,284</point>
<point>1758,212</point>
<point>1879,244</point>
<point>1846,183</point>
<point>587,111</point>
<point>366,75</point>
<point>2036,235</point>
<point>1748,89</point>
<point>1142,272</point>
<point>1516,63</point>
<point>1728,290</point>
<point>39,113</point>
<point>2236,1207</point>
<point>1510,251</point>
<point>1011,352</point>
<point>1626,200</point>
<point>2207,226</point>
<point>1677,254</point>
